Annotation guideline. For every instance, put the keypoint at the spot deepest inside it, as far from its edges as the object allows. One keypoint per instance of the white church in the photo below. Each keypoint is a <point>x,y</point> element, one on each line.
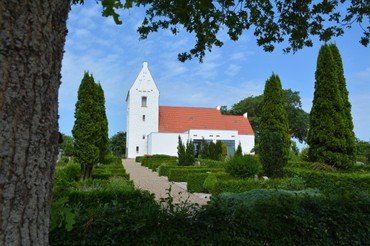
<point>154,129</point>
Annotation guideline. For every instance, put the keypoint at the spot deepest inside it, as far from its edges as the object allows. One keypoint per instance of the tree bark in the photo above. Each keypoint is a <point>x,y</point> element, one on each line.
<point>32,37</point>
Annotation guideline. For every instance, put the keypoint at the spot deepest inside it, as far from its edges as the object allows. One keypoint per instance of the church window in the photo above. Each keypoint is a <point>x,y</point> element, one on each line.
<point>137,149</point>
<point>143,117</point>
<point>143,101</point>
<point>218,136</point>
<point>143,136</point>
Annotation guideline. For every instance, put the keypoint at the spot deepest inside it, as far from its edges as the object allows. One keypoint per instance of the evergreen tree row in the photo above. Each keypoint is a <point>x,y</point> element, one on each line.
<point>214,151</point>
<point>90,130</point>
<point>185,153</point>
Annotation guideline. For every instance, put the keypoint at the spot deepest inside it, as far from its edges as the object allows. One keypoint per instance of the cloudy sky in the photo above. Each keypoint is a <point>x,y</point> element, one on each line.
<point>114,55</point>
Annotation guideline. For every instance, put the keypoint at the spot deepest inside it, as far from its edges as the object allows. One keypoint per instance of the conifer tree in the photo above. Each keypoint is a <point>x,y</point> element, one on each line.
<point>102,122</point>
<point>204,149</point>
<point>239,151</point>
<point>348,129</point>
<point>274,130</point>
<point>190,159</point>
<point>181,153</point>
<point>327,133</point>
<point>218,150</point>
<point>85,128</point>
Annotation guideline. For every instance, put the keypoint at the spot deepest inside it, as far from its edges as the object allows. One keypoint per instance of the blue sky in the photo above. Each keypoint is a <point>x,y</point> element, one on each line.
<point>114,55</point>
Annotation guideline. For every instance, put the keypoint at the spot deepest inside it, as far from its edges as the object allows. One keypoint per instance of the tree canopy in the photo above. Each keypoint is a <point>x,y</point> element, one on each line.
<point>297,23</point>
<point>297,117</point>
<point>117,144</point>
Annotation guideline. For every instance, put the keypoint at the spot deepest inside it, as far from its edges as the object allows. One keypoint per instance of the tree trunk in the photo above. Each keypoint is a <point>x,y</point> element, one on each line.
<point>32,37</point>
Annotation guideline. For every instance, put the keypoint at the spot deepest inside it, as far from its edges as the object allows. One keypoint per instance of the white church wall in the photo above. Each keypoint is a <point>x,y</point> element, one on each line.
<point>198,134</point>
<point>247,143</point>
<point>165,143</point>
<point>141,120</point>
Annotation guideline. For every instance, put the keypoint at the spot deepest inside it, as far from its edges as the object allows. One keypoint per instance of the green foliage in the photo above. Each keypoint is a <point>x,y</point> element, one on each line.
<point>346,110</point>
<point>297,23</point>
<point>154,162</point>
<point>90,130</point>
<point>297,118</point>
<point>67,145</point>
<point>181,174</point>
<point>181,153</point>
<point>243,166</point>
<point>189,153</point>
<point>210,182</point>
<point>304,155</point>
<point>117,144</point>
<point>139,158</point>
<point>67,173</point>
<point>102,123</point>
<point>363,150</point>
<point>332,182</point>
<point>239,151</point>
<point>195,182</point>
<point>328,132</point>
<point>204,149</point>
<point>212,163</point>
<point>274,137</point>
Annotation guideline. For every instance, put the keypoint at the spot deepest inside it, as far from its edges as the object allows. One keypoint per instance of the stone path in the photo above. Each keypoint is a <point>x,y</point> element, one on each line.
<point>146,179</point>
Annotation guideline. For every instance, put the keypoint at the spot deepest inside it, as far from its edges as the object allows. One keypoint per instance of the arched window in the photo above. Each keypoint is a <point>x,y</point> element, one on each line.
<point>143,101</point>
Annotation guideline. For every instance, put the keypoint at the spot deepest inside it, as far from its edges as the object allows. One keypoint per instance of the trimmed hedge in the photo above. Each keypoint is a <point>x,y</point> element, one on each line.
<point>332,181</point>
<point>181,174</point>
<point>195,182</point>
<point>139,158</point>
<point>154,162</point>
<point>269,217</point>
<point>212,163</point>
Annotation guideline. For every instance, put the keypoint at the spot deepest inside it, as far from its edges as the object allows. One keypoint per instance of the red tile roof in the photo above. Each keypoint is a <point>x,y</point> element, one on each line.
<point>181,119</point>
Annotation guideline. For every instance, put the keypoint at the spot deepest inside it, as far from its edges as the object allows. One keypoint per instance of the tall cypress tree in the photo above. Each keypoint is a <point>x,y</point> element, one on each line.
<point>274,130</point>
<point>102,122</point>
<point>327,133</point>
<point>85,128</point>
<point>181,153</point>
<point>346,110</point>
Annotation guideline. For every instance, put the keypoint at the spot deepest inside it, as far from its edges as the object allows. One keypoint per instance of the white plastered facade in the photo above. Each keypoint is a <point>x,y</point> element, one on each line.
<point>143,136</point>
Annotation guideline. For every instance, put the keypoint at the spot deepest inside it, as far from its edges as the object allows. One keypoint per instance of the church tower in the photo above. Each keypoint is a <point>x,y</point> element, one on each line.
<point>142,113</point>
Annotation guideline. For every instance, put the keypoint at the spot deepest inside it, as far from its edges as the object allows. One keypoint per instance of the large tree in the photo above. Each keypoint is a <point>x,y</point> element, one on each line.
<point>102,122</point>
<point>297,117</point>
<point>327,134</point>
<point>346,110</point>
<point>32,37</point>
<point>117,144</point>
<point>86,130</point>
<point>274,130</point>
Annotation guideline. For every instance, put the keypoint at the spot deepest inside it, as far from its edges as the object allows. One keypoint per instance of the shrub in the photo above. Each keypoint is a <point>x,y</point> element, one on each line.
<point>67,173</point>
<point>181,174</point>
<point>210,182</point>
<point>195,182</point>
<point>243,166</point>
<point>294,183</point>
<point>212,163</point>
<point>164,169</point>
<point>332,182</point>
<point>139,158</point>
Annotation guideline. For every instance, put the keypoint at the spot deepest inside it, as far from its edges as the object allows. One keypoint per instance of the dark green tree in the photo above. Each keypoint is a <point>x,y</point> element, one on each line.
<point>189,153</point>
<point>218,150</point>
<point>85,129</point>
<point>297,117</point>
<point>239,151</point>
<point>274,130</point>
<point>181,153</point>
<point>102,123</point>
<point>67,145</point>
<point>346,110</point>
<point>327,134</point>
<point>117,144</point>
<point>204,149</point>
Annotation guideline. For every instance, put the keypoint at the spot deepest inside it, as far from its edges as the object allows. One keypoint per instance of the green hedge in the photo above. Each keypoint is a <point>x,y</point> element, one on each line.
<point>269,217</point>
<point>212,163</point>
<point>181,174</point>
<point>153,163</point>
<point>332,181</point>
<point>195,182</point>
<point>139,158</point>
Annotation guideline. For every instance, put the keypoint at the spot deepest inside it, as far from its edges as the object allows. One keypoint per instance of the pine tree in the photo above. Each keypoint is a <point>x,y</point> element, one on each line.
<point>85,128</point>
<point>181,153</point>
<point>274,130</point>
<point>327,133</point>
<point>102,122</point>
<point>239,151</point>
<point>204,149</point>
<point>218,150</point>
<point>190,159</point>
<point>349,134</point>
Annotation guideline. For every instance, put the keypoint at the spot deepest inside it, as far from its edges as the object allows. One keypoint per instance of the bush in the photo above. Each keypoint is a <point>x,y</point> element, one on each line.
<point>164,169</point>
<point>212,163</point>
<point>243,166</point>
<point>330,182</point>
<point>67,173</point>
<point>265,217</point>
<point>181,174</point>
<point>139,158</point>
<point>195,182</point>
<point>153,163</point>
